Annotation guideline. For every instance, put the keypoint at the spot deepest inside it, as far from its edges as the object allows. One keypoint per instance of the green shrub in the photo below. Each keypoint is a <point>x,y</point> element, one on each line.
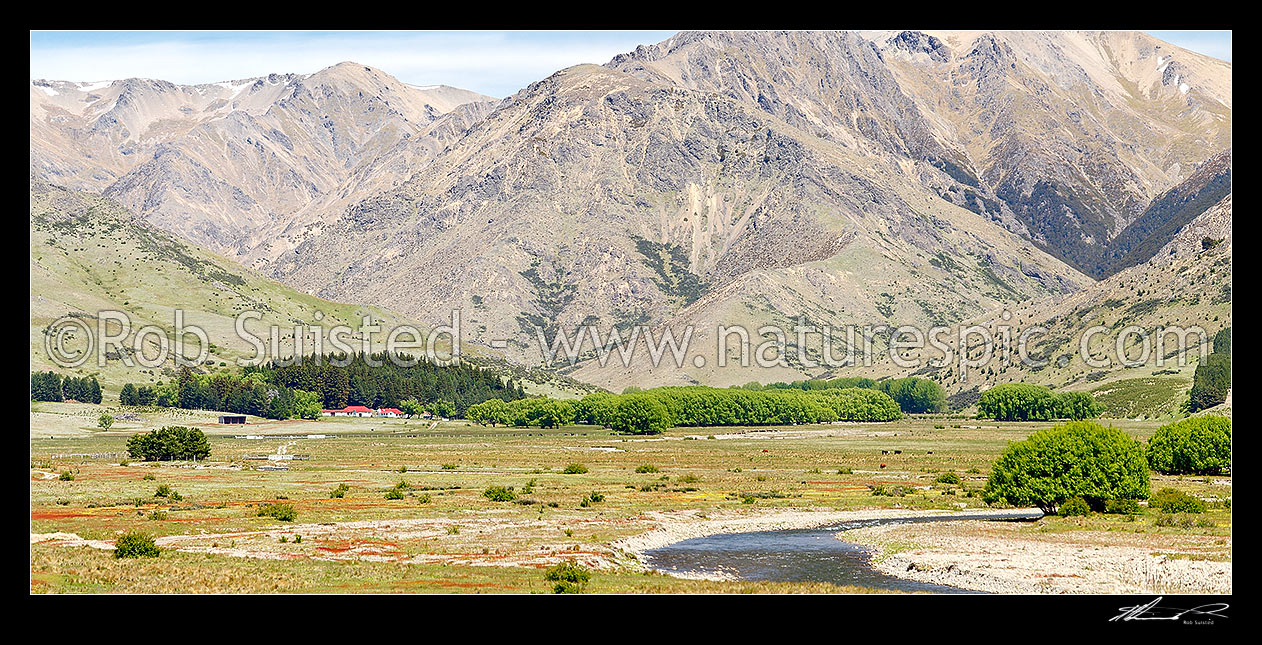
<point>164,490</point>
<point>280,512</point>
<point>1195,446</point>
<point>66,476</point>
<point>1121,507</point>
<point>1076,506</point>
<point>394,493</point>
<point>568,577</point>
<point>168,443</point>
<point>134,544</point>
<point>948,478</point>
<point>1075,459</point>
<point>574,469</point>
<point>499,494</point>
<point>647,468</point>
<point>339,492</point>
<point>1169,500</point>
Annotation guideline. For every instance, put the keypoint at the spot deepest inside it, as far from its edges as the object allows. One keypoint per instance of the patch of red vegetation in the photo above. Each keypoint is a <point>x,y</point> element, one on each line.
<point>453,584</point>
<point>57,515</point>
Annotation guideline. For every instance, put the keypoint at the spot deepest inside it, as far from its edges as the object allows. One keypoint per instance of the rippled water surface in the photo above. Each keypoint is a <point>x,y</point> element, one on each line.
<point>795,555</point>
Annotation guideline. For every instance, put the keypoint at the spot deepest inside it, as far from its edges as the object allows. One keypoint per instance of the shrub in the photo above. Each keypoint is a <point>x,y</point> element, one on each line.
<point>164,490</point>
<point>1169,500</point>
<point>281,512</point>
<point>173,442</point>
<point>339,492</point>
<point>647,468</point>
<point>1076,506</point>
<point>568,577</point>
<point>499,494</point>
<point>66,476</point>
<point>1075,459</point>
<point>1196,446</point>
<point>134,544</point>
<point>104,421</point>
<point>1121,507</point>
<point>394,493</point>
<point>948,478</point>
<point>574,469</point>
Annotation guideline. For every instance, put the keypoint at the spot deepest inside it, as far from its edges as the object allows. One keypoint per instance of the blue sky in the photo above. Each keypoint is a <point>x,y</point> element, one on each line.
<point>493,63</point>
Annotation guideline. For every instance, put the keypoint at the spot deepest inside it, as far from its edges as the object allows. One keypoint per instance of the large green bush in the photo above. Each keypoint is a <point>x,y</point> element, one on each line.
<point>567,577</point>
<point>1075,459</point>
<point>1195,446</point>
<point>172,442</point>
<point>1025,402</point>
<point>134,544</point>
<point>1170,500</point>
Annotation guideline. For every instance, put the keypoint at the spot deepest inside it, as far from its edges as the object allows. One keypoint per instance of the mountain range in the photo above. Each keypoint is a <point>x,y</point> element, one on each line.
<point>713,178</point>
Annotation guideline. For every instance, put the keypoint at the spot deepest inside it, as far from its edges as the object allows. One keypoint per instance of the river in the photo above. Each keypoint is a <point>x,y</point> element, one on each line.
<point>796,555</point>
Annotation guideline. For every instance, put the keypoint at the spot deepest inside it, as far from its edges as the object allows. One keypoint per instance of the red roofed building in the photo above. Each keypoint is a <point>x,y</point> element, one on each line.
<point>389,412</point>
<point>348,411</point>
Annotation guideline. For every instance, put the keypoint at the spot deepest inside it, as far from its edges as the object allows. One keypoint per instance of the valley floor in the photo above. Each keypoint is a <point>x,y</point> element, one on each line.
<point>443,535</point>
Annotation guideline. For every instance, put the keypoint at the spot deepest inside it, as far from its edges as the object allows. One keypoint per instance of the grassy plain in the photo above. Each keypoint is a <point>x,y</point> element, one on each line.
<point>443,534</point>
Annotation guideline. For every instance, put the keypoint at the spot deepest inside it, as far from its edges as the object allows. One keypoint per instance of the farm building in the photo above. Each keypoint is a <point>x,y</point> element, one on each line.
<point>349,411</point>
<point>232,419</point>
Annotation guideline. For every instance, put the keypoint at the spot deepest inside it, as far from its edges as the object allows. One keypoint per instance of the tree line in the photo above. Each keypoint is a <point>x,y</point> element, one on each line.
<point>1026,402</point>
<point>913,394</point>
<point>277,391</point>
<point>378,381</point>
<point>51,386</point>
<point>652,411</point>
<point>1212,379</point>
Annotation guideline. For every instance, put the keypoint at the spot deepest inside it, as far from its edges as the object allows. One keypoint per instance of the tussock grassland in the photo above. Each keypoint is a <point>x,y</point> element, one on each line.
<point>441,533</point>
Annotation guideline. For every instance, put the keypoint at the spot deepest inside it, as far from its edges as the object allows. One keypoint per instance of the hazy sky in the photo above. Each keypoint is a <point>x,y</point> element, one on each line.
<point>493,63</point>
